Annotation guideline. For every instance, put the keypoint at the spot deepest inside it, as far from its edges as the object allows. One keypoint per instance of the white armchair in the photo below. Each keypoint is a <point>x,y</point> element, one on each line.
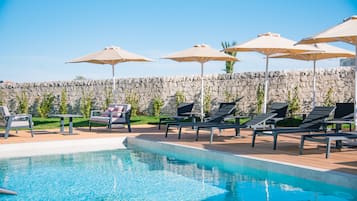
<point>115,114</point>
<point>9,121</point>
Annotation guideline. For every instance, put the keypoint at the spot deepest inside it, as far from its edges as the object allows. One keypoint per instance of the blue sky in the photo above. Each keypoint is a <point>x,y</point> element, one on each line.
<point>37,37</point>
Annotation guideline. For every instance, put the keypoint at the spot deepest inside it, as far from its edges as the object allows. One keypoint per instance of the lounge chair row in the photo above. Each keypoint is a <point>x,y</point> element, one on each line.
<point>316,121</point>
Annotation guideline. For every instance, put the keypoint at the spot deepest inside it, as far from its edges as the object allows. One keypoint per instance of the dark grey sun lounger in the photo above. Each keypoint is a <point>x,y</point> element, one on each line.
<point>327,138</point>
<point>344,113</point>
<point>313,123</point>
<point>256,121</point>
<point>183,112</point>
<point>225,109</point>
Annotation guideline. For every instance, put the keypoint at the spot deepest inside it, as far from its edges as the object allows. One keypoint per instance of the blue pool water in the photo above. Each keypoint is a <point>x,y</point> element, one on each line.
<point>137,175</point>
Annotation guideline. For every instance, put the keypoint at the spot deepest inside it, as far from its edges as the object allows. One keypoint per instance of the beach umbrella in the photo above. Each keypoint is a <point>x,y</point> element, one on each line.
<point>345,32</point>
<point>268,44</point>
<point>326,52</point>
<point>200,53</point>
<point>110,55</point>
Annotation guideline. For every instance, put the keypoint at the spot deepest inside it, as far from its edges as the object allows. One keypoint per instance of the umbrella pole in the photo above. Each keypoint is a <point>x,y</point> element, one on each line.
<point>113,89</point>
<point>266,85</point>
<point>202,92</point>
<point>314,86</point>
<point>355,99</point>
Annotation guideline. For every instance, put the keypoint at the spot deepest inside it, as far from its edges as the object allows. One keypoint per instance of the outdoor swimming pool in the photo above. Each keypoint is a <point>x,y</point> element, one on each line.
<point>131,174</point>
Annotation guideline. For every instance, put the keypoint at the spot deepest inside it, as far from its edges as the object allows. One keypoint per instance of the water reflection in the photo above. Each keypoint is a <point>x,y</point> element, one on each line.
<point>248,183</point>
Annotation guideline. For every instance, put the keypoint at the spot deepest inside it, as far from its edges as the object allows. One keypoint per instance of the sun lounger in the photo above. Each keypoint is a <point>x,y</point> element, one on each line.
<point>343,114</point>
<point>183,112</point>
<point>313,123</point>
<point>327,138</point>
<point>224,110</point>
<point>255,122</point>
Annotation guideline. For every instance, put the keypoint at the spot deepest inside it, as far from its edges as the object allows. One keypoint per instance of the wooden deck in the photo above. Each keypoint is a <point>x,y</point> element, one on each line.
<point>344,160</point>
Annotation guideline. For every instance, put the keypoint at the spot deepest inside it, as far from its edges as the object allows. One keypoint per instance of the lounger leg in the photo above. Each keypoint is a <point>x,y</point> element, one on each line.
<point>237,121</point>
<point>30,126</point>
<point>328,148</point>
<point>275,135</point>
<point>7,131</point>
<point>31,132</point>
<point>302,145</point>
<point>160,124</point>
<point>253,139</point>
<point>179,132</point>
<point>167,130</point>
<point>129,127</point>
<point>211,137</point>
<point>197,131</point>
<point>237,131</point>
<point>8,126</point>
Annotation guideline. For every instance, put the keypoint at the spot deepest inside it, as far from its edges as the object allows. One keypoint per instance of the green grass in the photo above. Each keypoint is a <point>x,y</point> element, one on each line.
<point>48,123</point>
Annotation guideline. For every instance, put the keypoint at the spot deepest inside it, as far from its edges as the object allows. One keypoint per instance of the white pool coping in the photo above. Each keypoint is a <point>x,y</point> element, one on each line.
<point>60,147</point>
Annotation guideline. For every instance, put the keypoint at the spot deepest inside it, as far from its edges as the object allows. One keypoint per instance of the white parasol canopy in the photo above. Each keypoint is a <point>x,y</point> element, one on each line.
<point>326,52</point>
<point>110,55</point>
<point>268,44</point>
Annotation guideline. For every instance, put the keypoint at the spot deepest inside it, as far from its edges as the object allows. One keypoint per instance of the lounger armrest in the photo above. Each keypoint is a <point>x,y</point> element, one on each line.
<point>20,117</point>
<point>256,129</point>
<point>126,115</point>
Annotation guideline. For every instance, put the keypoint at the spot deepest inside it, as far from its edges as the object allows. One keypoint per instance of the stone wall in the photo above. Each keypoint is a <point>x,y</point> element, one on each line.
<point>245,85</point>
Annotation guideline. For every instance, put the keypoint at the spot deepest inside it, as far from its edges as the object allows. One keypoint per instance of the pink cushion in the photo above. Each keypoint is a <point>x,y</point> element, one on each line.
<point>116,111</point>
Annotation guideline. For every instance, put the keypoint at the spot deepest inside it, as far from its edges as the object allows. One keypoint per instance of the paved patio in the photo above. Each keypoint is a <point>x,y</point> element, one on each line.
<point>288,145</point>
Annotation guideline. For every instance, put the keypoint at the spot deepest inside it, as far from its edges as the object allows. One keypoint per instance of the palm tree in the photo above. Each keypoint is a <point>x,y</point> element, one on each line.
<point>229,64</point>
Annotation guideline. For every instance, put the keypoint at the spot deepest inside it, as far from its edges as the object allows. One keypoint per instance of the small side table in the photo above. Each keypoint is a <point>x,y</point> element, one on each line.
<point>339,124</point>
<point>62,117</point>
<point>237,122</point>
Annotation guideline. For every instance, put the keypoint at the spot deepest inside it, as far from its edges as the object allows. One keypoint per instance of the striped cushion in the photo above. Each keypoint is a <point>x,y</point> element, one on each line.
<point>115,111</point>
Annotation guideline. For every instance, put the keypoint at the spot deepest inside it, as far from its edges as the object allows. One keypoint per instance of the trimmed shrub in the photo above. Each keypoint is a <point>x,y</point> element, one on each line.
<point>63,105</point>
<point>86,104</point>
<point>157,105</point>
<point>260,98</point>
<point>45,105</point>
<point>179,98</point>
<point>132,98</point>
<point>23,103</point>
<point>328,99</point>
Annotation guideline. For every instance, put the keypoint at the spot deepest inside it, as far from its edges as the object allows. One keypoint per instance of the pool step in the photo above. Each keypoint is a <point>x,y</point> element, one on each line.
<point>8,192</point>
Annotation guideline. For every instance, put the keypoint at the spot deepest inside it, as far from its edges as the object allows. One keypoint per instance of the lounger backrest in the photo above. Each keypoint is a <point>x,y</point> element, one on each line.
<point>224,110</point>
<point>259,119</point>
<point>317,117</point>
<point>279,108</point>
<point>226,107</point>
<point>184,108</point>
<point>343,110</point>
